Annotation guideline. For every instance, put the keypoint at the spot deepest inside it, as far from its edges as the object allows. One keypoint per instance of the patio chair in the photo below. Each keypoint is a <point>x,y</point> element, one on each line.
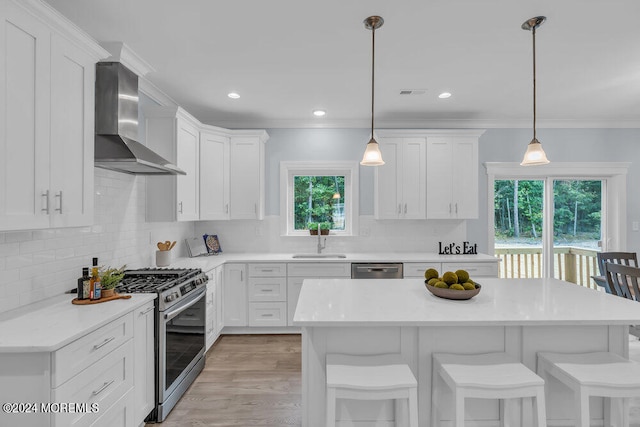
<point>623,281</point>
<point>624,258</point>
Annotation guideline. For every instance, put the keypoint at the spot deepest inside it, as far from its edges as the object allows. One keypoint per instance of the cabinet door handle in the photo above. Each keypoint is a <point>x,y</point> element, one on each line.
<point>449,207</point>
<point>255,208</point>
<point>147,310</point>
<point>46,202</point>
<point>59,208</point>
<point>405,208</point>
<point>226,208</point>
<point>456,208</point>
<point>399,208</point>
<point>241,275</point>
<point>103,343</point>
<point>101,389</point>
<point>180,207</point>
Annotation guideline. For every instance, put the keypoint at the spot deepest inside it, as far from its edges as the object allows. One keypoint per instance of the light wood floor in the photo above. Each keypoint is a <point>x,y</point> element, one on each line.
<point>248,380</point>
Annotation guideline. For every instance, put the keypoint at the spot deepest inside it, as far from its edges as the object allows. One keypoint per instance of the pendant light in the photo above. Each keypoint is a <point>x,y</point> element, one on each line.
<point>372,155</point>
<point>535,154</point>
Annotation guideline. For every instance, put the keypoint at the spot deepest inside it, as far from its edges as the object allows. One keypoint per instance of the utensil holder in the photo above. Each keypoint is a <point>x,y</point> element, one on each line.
<point>163,258</point>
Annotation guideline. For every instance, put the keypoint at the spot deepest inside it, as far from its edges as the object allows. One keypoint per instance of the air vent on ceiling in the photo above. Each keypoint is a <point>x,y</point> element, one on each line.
<point>413,91</point>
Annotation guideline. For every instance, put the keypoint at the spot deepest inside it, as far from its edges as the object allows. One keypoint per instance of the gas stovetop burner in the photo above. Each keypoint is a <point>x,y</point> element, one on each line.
<point>155,279</point>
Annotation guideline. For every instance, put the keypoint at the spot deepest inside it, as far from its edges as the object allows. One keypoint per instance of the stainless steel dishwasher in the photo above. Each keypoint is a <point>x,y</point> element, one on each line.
<point>378,270</point>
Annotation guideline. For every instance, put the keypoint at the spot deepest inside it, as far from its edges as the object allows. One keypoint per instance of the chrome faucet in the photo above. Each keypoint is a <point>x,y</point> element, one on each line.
<point>320,245</point>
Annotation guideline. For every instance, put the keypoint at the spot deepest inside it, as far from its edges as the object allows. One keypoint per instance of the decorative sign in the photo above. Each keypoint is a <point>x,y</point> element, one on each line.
<point>453,249</point>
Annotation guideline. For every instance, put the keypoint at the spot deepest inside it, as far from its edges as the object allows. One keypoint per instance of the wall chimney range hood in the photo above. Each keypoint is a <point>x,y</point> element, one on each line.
<point>116,145</point>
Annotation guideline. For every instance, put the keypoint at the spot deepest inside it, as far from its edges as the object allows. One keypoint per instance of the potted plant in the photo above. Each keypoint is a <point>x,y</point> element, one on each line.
<point>324,228</point>
<point>109,279</point>
<point>313,228</point>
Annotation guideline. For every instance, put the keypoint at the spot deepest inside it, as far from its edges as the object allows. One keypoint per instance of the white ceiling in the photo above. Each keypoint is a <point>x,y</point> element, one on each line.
<point>288,57</point>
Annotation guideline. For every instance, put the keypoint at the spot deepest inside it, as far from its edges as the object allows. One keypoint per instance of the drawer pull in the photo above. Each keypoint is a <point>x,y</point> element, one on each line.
<point>267,315</point>
<point>147,310</point>
<point>103,343</point>
<point>266,270</point>
<point>266,290</point>
<point>101,389</point>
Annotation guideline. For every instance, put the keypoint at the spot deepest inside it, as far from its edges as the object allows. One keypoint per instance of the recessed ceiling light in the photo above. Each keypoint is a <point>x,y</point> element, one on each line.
<point>319,113</point>
<point>444,95</point>
<point>233,95</point>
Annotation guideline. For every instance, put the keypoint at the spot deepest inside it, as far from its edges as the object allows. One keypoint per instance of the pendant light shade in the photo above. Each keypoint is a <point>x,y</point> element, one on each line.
<point>372,155</point>
<point>534,155</point>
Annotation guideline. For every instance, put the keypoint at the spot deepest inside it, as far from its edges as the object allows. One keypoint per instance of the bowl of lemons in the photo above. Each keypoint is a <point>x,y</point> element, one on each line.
<point>456,285</point>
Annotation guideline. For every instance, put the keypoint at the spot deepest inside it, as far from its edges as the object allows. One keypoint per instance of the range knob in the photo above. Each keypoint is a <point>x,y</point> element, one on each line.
<point>171,297</point>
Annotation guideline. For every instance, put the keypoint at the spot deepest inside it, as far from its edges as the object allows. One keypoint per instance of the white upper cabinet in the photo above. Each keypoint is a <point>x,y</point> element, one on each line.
<point>452,175</point>
<point>214,174</point>
<point>400,183</point>
<point>174,135</point>
<point>246,174</point>
<point>47,74</point>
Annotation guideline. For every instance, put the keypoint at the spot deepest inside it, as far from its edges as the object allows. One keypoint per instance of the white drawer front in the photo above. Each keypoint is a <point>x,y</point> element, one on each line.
<point>417,269</point>
<point>267,270</point>
<point>320,269</point>
<point>103,383</point>
<point>84,352</point>
<point>268,314</point>
<point>267,289</point>
<point>477,269</point>
<point>121,414</point>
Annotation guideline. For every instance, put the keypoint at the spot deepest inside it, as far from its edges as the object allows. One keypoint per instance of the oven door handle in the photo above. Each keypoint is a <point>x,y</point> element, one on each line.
<point>173,313</point>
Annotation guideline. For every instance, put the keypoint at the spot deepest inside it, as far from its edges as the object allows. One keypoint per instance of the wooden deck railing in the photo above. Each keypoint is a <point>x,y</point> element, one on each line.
<point>572,264</point>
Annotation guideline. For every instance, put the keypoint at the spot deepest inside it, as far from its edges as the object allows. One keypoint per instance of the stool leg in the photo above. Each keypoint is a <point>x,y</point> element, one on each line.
<point>458,411</point>
<point>582,408</point>
<point>331,407</point>
<point>539,409</point>
<point>503,411</point>
<point>625,412</point>
<point>435,391</point>
<point>413,407</point>
<point>400,417</point>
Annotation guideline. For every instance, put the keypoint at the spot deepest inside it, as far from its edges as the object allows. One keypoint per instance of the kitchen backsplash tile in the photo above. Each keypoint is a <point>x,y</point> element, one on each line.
<point>382,236</point>
<point>39,264</point>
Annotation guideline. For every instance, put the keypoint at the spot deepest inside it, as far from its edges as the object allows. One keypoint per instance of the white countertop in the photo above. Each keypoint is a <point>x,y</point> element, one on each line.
<point>208,262</point>
<point>394,302</point>
<point>54,323</point>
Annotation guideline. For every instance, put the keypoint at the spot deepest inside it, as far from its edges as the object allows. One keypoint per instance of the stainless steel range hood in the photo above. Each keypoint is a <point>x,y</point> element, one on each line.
<point>116,145</point>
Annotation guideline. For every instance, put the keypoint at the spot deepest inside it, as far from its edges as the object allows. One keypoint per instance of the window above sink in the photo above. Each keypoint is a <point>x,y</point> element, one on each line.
<point>319,192</point>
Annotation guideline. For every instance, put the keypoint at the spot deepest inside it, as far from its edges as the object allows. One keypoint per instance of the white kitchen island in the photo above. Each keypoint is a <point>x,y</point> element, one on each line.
<point>516,316</point>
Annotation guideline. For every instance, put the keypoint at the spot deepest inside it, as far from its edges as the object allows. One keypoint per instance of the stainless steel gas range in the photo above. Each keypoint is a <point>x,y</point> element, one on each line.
<point>180,329</point>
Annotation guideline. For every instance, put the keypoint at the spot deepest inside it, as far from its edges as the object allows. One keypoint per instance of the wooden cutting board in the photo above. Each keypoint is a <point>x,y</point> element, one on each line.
<point>98,301</point>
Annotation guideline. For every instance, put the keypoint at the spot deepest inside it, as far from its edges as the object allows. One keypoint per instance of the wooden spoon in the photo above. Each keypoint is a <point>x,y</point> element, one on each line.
<point>162,246</point>
<point>172,245</point>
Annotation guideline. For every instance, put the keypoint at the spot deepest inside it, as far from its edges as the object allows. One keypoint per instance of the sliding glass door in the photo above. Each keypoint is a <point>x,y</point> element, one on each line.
<point>552,220</point>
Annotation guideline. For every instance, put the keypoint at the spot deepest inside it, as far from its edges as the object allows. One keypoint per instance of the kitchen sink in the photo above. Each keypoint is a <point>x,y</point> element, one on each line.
<point>311,256</point>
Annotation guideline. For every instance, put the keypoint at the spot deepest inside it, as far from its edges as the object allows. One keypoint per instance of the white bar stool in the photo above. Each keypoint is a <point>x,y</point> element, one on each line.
<point>485,376</point>
<point>600,374</point>
<point>378,377</point>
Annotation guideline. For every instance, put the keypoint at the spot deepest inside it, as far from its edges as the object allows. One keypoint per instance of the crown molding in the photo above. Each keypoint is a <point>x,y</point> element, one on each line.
<point>120,52</point>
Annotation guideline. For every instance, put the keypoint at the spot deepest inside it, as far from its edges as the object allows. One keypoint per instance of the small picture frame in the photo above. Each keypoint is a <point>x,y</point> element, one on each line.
<point>212,243</point>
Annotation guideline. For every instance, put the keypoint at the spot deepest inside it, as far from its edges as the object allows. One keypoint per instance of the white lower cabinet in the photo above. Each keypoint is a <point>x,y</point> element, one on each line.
<point>144,376</point>
<point>235,294</point>
<point>101,384</point>
<point>214,306</point>
<point>417,269</point>
<point>107,375</point>
<point>267,295</point>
